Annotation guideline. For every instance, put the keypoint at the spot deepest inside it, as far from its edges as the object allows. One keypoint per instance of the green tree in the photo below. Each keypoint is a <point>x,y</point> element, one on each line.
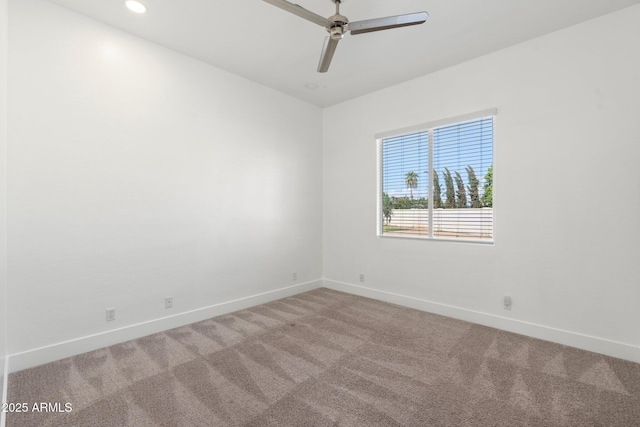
<point>401,203</point>
<point>450,191</point>
<point>461,192</point>
<point>421,203</point>
<point>474,183</point>
<point>387,207</point>
<point>487,196</point>
<point>437,198</point>
<point>411,181</point>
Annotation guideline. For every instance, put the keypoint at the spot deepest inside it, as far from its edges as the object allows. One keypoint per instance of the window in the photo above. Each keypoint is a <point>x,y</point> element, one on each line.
<point>436,180</point>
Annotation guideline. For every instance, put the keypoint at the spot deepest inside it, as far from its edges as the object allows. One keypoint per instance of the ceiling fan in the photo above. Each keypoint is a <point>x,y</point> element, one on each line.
<point>337,25</point>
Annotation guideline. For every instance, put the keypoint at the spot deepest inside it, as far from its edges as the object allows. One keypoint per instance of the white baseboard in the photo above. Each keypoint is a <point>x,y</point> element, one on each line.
<point>28,359</point>
<point>568,338</point>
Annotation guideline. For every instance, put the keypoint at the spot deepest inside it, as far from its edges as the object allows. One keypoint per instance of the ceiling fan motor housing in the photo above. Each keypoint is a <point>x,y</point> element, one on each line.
<point>338,26</point>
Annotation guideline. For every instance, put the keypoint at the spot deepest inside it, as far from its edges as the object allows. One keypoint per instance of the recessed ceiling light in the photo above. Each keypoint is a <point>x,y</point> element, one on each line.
<point>311,86</point>
<point>135,6</point>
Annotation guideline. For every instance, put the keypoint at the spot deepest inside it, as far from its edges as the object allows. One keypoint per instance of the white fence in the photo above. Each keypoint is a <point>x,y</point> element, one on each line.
<point>476,223</point>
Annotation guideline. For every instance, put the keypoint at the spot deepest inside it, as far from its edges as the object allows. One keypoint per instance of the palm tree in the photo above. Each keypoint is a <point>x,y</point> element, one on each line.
<point>411,181</point>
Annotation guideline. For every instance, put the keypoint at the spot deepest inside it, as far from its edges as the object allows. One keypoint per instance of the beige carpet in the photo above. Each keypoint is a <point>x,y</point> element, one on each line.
<point>325,358</point>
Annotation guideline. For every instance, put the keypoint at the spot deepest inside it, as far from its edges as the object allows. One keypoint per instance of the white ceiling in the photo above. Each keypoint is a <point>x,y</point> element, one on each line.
<point>260,42</point>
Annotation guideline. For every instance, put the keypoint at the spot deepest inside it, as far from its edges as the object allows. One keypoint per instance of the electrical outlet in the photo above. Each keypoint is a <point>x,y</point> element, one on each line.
<point>110,314</point>
<point>294,276</point>
<point>362,278</point>
<point>168,302</point>
<point>507,302</point>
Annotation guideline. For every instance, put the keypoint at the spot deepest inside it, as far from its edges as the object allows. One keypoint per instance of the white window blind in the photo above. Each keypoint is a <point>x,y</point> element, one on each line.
<point>447,196</point>
<point>405,189</point>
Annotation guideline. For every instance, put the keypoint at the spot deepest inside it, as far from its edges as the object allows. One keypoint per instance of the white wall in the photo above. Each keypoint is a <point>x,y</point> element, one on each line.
<point>3,193</point>
<point>137,173</point>
<point>566,139</point>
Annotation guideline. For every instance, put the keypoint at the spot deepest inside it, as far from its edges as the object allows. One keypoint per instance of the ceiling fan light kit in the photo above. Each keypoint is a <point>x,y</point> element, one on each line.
<point>338,25</point>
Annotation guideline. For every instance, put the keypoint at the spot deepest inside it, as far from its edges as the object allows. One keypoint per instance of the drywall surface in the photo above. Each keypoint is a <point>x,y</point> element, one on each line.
<point>565,191</point>
<point>3,192</point>
<point>136,173</point>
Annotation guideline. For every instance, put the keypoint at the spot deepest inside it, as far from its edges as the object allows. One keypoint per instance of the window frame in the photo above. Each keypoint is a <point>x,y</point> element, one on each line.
<point>428,127</point>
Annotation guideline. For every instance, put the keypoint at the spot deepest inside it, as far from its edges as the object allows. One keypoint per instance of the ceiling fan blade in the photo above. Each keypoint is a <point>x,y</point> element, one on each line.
<point>378,24</point>
<point>300,11</point>
<point>328,50</point>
